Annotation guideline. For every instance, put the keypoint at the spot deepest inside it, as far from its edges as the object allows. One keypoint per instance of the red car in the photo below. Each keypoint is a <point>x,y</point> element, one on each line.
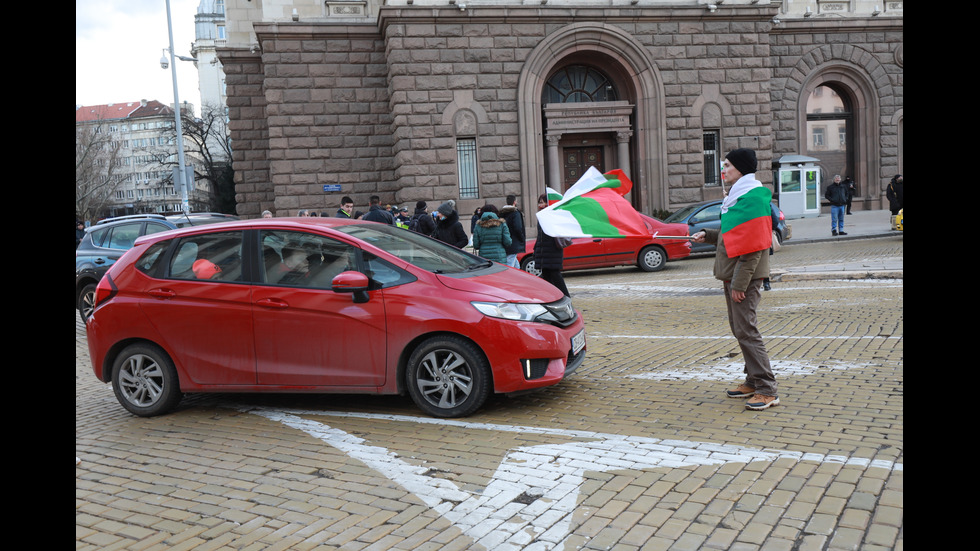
<point>646,252</point>
<point>324,305</point>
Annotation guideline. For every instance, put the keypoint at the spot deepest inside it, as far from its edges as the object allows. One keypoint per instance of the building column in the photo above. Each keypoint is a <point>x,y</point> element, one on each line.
<point>554,166</point>
<point>623,150</point>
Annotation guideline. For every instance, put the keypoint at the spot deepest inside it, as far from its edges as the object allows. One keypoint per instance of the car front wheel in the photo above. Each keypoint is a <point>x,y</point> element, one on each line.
<point>145,381</point>
<point>652,259</point>
<point>448,377</point>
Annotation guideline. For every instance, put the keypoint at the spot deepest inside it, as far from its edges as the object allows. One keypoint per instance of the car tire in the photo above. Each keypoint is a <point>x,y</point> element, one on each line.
<point>145,381</point>
<point>651,259</point>
<point>530,266</point>
<point>86,301</point>
<point>448,377</point>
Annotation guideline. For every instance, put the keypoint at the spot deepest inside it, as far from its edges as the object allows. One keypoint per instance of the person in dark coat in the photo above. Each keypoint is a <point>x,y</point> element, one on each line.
<point>448,227</point>
<point>422,221</point>
<point>379,214</point>
<point>548,256</point>
<point>896,194</point>
<point>515,222</point>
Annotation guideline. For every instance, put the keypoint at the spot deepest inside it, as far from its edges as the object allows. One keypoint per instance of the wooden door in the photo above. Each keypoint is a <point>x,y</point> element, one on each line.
<point>577,160</point>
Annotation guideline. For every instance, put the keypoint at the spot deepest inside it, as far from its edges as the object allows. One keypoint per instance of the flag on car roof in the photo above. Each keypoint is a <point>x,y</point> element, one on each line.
<point>594,207</point>
<point>746,219</point>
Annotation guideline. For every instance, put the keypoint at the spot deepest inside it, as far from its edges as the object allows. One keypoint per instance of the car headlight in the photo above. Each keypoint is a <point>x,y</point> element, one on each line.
<point>510,310</point>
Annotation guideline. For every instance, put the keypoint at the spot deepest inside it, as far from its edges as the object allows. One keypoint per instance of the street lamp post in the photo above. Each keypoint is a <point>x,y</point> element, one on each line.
<point>180,134</point>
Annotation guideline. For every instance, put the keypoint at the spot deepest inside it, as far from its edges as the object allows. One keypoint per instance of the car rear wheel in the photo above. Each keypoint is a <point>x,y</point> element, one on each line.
<point>145,380</point>
<point>530,266</point>
<point>448,377</point>
<point>652,259</point>
<point>86,301</point>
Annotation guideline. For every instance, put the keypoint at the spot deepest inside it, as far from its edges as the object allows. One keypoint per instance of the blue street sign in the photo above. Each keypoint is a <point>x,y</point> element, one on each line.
<point>331,187</point>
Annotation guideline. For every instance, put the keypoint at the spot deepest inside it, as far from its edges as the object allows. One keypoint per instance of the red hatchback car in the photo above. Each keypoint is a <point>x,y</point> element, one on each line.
<point>646,252</point>
<point>324,305</point>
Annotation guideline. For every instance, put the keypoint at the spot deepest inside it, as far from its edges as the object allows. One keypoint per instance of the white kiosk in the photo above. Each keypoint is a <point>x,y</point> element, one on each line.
<point>798,186</point>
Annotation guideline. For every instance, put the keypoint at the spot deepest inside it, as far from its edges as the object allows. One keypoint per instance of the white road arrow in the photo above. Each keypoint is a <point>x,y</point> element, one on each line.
<point>529,502</point>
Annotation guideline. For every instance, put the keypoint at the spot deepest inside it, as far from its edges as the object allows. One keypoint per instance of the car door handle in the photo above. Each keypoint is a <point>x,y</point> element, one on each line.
<point>272,303</point>
<point>162,293</point>
<point>99,261</point>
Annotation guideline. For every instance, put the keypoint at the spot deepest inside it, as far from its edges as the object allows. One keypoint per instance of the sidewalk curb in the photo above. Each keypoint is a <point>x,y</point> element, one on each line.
<point>782,275</point>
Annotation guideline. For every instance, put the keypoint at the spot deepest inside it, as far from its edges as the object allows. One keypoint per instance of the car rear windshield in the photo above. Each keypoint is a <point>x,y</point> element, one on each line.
<point>424,252</point>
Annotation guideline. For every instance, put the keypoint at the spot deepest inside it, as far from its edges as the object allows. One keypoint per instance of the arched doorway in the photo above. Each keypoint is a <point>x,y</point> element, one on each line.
<point>631,126</point>
<point>830,132</point>
<point>583,134</point>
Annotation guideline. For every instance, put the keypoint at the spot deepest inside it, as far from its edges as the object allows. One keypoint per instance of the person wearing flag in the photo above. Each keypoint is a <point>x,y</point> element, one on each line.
<point>742,262</point>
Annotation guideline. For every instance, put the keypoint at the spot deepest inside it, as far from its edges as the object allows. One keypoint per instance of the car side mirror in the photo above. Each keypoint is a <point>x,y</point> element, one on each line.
<point>351,282</point>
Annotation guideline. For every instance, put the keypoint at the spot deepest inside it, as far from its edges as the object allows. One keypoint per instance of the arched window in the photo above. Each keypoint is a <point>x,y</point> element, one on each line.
<point>578,83</point>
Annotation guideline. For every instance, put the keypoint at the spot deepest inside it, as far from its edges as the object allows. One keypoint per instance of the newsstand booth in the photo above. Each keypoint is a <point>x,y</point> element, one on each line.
<point>797,180</point>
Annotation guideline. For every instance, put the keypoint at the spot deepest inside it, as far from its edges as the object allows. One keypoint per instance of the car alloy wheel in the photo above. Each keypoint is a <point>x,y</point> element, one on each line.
<point>145,381</point>
<point>448,377</point>
<point>530,266</point>
<point>652,259</point>
<point>86,301</point>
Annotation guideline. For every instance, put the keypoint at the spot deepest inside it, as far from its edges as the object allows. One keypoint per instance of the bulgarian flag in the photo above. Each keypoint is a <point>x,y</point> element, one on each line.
<point>553,196</point>
<point>594,207</point>
<point>746,218</point>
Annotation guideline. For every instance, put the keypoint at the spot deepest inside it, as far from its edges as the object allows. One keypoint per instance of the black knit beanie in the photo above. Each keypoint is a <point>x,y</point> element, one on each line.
<point>743,160</point>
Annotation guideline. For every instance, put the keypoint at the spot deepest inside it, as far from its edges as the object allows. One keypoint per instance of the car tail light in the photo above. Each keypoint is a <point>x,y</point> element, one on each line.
<point>105,290</point>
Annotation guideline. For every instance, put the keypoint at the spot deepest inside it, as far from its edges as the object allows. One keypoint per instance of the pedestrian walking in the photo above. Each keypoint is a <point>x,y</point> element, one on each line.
<point>741,263</point>
<point>515,222</point>
<point>448,227</point>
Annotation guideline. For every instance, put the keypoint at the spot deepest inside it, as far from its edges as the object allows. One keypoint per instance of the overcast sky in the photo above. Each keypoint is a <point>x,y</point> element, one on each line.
<point>118,45</point>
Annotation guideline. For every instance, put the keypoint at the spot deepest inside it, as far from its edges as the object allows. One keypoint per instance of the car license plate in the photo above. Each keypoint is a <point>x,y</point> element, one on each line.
<point>578,342</point>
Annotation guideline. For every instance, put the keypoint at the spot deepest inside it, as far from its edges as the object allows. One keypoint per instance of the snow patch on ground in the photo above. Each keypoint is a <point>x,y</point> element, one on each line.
<point>734,370</point>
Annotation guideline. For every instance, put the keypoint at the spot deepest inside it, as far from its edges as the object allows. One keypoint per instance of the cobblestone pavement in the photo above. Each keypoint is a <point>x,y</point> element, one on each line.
<point>639,449</point>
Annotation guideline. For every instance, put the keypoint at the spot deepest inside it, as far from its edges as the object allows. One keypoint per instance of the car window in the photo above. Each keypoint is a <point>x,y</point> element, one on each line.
<point>150,260</point>
<point>98,237</point>
<point>216,256</point>
<point>428,254</point>
<point>122,236</point>
<point>155,227</point>
<point>708,214</point>
<point>303,259</point>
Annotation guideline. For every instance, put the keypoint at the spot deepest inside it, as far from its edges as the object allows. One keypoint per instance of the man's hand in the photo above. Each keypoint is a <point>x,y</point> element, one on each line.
<point>698,237</point>
<point>738,296</point>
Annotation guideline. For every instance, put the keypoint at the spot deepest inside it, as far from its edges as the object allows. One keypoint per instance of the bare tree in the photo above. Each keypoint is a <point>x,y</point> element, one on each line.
<point>97,169</point>
<point>206,142</point>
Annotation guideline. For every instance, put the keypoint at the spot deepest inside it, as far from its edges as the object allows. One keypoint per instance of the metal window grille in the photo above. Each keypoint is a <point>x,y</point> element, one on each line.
<point>712,158</point>
<point>469,185</point>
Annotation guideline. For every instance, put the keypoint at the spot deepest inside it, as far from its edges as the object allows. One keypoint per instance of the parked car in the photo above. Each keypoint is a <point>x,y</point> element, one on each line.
<point>707,214</point>
<point>108,239</point>
<point>324,305</point>
<point>649,254</point>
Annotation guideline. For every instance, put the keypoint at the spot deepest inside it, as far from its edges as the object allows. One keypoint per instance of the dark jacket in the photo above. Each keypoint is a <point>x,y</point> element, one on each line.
<point>378,214</point>
<point>896,195</point>
<point>425,222</point>
<point>836,194</point>
<point>342,214</point>
<point>491,237</point>
<point>450,230</point>
<point>515,222</point>
<point>547,254</point>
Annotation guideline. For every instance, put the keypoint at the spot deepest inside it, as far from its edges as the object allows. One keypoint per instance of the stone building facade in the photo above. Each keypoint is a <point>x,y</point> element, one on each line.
<point>472,101</point>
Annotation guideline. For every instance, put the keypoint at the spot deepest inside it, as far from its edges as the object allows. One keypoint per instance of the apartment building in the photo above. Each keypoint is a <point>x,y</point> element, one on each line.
<point>144,131</point>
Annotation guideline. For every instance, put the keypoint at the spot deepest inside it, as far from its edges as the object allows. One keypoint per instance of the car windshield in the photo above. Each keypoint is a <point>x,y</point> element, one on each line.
<point>416,249</point>
<point>680,215</point>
